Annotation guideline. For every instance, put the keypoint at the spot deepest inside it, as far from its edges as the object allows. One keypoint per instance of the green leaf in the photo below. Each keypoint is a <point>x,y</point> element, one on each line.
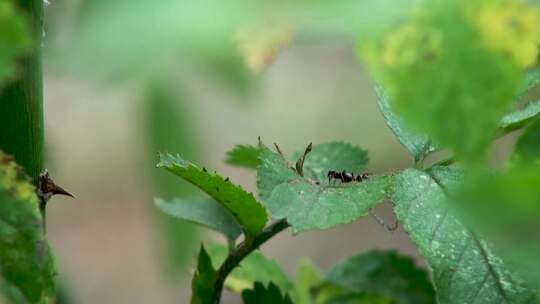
<point>337,156</point>
<point>26,263</point>
<point>464,268</point>
<point>532,79</point>
<point>521,117</point>
<point>203,280</point>
<point>308,206</point>
<point>246,156</point>
<point>503,206</point>
<point>202,211</point>
<point>14,37</point>
<point>527,148</point>
<point>340,297</point>
<point>265,295</point>
<point>254,268</point>
<point>242,205</point>
<point>307,277</point>
<point>163,34</point>
<point>418,145</point>
<point>168,126</point>
<point>272,171</point>
<point>384,273</point>
<point>456,96</point>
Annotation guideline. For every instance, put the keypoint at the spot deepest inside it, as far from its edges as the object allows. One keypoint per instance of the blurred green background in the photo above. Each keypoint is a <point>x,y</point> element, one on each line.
<point>127,79</point>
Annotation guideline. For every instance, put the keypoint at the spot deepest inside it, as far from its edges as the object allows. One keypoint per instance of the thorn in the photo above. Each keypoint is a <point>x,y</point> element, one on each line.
<point>279,150</point>
<point>300,162</point>
<point>48,188</point>
<point>227,179</point>
<point>309,148</point>
<point>204,169</point>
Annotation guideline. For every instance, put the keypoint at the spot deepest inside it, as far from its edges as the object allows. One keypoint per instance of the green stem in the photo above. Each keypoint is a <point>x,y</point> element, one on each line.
<point>240,252</point>
<point>43,211</point>
<point>21,101</point>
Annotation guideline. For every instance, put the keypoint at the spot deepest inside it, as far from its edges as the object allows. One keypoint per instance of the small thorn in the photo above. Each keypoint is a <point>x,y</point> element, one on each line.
<point>227,179</point>
<point>278,149</point>
<point>48,188</point>
<point>309,148</point>
<point>61,191</point>
<point>300,161</point>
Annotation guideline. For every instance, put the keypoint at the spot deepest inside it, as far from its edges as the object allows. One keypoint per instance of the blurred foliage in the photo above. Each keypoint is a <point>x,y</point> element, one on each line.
<point>510,27</point>
<point>26,263</point>
<point>385,274</point>
<point>527,148</point>
<point>168,127</point>
<point>307,277</point>
<point>259,46</point>
<point>244,156</point>
<point>14,37</point>
<point>134,40</point>
<point>130,40</point>
<point>532,79</point>
<point>504,206</point>
<point>520,118</point>
<point>456,95</point>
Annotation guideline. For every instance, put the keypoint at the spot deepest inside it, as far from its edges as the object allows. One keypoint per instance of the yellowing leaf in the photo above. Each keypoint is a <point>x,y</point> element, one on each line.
<point>511,27</point>
<point>260,45</point>
<point>410,44</point>
<point>26,262</point>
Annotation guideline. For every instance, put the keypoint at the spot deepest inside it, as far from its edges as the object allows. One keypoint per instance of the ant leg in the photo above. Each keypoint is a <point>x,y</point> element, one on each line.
<point>382,223</point>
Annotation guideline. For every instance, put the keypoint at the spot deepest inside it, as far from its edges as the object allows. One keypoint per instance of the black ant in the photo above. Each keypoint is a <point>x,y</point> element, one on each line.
<point>346,177</point>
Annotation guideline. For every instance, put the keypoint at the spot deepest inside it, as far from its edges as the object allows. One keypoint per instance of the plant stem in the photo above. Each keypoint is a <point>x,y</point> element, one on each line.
<point>240,252</point>
<point>445,162</point>
<point>21,101</point>
<point>43,211</point>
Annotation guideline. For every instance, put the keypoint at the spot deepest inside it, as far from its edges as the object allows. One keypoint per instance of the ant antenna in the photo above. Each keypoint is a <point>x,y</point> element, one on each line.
<point>382,223</point>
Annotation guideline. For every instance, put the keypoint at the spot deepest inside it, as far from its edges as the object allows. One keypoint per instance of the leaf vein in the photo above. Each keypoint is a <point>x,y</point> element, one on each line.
<point>482,284</point>
<point>437,227</point>
<point>490,269</point>
<point>460,258</point>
